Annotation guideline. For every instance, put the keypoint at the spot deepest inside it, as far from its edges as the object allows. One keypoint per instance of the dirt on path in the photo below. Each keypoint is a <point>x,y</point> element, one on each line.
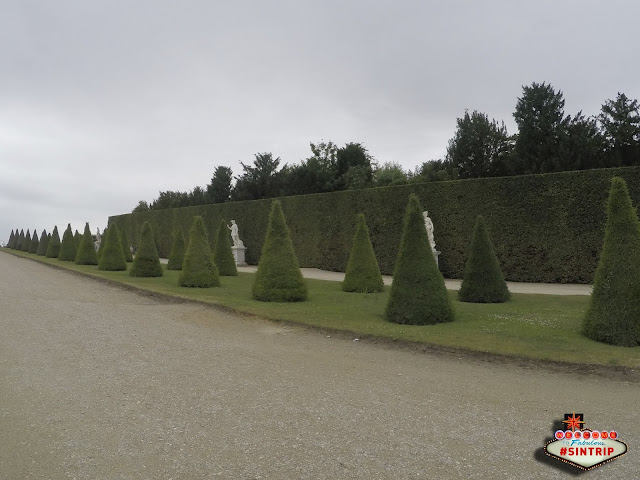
<point>101,383</point>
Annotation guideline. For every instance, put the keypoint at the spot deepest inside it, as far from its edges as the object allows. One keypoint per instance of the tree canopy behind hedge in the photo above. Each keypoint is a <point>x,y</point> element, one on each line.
<point>546,228</point>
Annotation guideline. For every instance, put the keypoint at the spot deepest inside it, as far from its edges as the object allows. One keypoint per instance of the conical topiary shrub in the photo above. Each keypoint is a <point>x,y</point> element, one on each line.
<point>613,315</point>
<point>44,243</point>
<point>26,243</point>
<point>146,262</point>
<point>483,281</point>
<point>102,243</point>
<point>363,273</point>
<point>126,247</point>
<point>198,269</point>
<point>222,254</point>
<point>20,240</point>
<point>12,240</point>
<point>87,254</point>
<point>278,278</point>
<point>68,248</point>
<point>418,293</point>
<point>53,249</point>
<point>78,238</point>
<point>112,257</point>
<point>35,243</point>
<point>176,257</point>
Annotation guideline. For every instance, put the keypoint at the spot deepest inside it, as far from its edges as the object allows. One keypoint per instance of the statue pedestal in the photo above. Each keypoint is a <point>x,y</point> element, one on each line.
<point>238,255</point>
<point>436,254</point>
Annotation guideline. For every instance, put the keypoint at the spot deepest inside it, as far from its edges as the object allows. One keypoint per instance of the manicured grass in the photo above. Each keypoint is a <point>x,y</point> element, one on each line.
<point>540,327</point>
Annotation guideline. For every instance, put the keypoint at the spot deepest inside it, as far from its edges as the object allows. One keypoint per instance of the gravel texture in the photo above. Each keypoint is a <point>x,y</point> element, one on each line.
<point>101,383</point>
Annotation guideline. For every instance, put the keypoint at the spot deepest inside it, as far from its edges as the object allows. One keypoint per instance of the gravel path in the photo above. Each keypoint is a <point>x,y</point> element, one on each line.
<point>100,383</point>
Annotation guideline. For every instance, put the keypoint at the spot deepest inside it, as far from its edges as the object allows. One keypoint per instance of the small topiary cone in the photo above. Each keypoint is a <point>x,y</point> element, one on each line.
<point>87,254</point>
<point>176,257</point>
<point>222,254</point>
<point>363,273</point>
<point>198,269</point>
<point>146,262</point>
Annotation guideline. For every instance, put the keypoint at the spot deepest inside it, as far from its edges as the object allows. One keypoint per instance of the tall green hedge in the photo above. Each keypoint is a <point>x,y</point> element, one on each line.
<point>546,228</point>
<point>53,249</point>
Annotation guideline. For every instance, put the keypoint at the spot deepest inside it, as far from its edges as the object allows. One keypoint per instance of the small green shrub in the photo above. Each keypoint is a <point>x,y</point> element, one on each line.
<point>44,243</point>
<point>146,262</point>
<point>112,257</point>
<point>222,254</point>
<point>198,269</point>
<point>278,278</point>
<point>87,254</point>
<point>613,315</point>
<point>483,281</point>
<point>176,258</point>
<point>35,243</point>
<point>418,293</point>
<point>68,248</point>
<point>26,243</point>
<point>53,249</point>
<point>126,246</point>
<point>363,273</point>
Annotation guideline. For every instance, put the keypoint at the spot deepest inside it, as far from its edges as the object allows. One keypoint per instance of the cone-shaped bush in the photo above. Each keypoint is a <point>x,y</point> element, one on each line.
<point>418,293</point>
<point>278,278</point>
<point>78,238</point>
<point>126,247</point>
<point>222,254</point>
<point>146,263</point>
<point>198,269</point>
<point>483,281</point>
<point>103,242</point>
<point>12,240</point>
<point>44,243</point>
<point>53,249</point>
<point>363,273</point>
<point>87,254</point>
<point>35,243</point>
<point>176,257</point>
<point>613,315</point>
<point>112,257</point>
<point>27,241</point>
<point>68,248</point>
<point>20,240</point>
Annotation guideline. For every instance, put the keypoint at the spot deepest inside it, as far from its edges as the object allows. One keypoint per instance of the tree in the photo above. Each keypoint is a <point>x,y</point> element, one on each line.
<point>146,262</point>
<point>176,257</point>
<point>197,196</point>
<point>87,254</point>
<point>141,207</point>
<point>613,315</point>
<point>112,256</point>
<point>126,246</point>
<point>53,249</point>
<point>219,190</point>
<point>354,167</point>
<point>363,273</point>
<point>222,254</point>
<point>78,238</point>
<point>620,120</point>
<point>262,180</point>
<point>278,278</point>
<point>35,243</point>
<point>483,281</point>
<point>584,145</point>
<point>26,243</point>
<point>68,248</point>
<point>20,240</point>
<point>12,240</point>
<point>389,174</point>
<point>198,269</point>
<point>44,243</point>
<point>479,147</point>
<point>418,293</point>
<point>542,128</point>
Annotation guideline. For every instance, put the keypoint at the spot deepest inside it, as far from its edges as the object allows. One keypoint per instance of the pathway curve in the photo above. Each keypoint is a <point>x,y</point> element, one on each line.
<point>101,383</point>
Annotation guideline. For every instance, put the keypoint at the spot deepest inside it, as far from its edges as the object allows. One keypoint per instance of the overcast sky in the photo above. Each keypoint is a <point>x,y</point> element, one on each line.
<point>105,103</point>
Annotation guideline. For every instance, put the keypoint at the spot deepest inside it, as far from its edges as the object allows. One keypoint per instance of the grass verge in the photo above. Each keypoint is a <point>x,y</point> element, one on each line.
<point>533,327</point>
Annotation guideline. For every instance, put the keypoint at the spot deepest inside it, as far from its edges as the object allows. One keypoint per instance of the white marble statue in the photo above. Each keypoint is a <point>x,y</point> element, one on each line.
<point>429,225</point>
<point>235,236</point>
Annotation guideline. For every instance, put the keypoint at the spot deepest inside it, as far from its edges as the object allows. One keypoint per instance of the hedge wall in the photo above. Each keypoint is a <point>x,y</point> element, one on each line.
<point>545,228</point>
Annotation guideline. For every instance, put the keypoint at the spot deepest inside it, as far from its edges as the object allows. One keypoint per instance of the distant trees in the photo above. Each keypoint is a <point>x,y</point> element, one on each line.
<point>263,179</point>
<point>620,120</point>
<point>219,190</point>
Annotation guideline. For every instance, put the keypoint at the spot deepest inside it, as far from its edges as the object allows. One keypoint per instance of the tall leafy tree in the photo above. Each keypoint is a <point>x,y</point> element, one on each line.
<point>263,179</point>
<point>620,120</point>
<point>542,128</point>
<point>584,145</point>
<point>354,167</point>
<point>479,147</point>
<point>141,207</point>
<point>219,190</point>
<point>389,174</point>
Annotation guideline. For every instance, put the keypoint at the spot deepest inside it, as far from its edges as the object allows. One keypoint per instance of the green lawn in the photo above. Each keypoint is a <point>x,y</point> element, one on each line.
<point>541,327</point>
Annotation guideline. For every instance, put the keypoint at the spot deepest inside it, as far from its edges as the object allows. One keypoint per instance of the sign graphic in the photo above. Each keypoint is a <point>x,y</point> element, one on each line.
<point>582,447</point>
